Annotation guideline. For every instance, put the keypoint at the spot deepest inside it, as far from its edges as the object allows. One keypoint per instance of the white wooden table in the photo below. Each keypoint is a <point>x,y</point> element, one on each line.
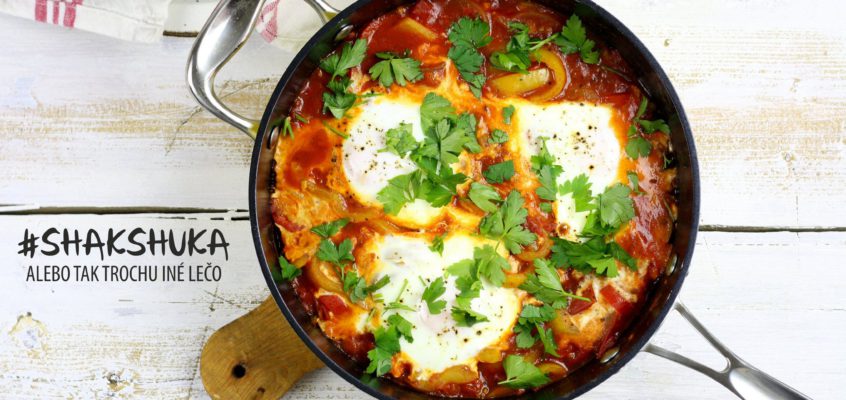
<point>99,133</point>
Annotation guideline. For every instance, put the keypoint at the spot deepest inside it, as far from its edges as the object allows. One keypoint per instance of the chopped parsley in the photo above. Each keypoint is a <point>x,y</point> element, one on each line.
<point>467,36</point>
<point>400,140</point>
<point>498,136</point>
<point>446,135</point>
<point>401,190</point>
<point>337,255</point>
<point>350,55</point>
<point>637,145</point>
<point>573,39</point>
<point>357,288</point>
<point>521,374</point>
<point>339,99</point>
<point>431,295</point>
<point>438,244</point>
<point>394,68</point>
<point>545,285</point>
<point>633,180</point>
<point>469,285</point>
<point>483,196</point>
<point>615,205</point>
<point>287,271</point>
<point>491,264</point>
<point>500,172</point>
<point>330,229</point>
<point>579,188</point>
<point>397,304</point>
<point>506,224</point>
<point>515,58</point>
<point>387,343</point>
<point>532,318</point>
<point>507,113</point>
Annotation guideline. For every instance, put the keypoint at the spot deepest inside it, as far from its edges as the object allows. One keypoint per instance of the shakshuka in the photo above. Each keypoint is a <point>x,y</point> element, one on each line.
<point>474,196</point>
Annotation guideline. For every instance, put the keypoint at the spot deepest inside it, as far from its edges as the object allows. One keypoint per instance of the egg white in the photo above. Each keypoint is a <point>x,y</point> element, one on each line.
<point>368,170</point>
<point>582,140</point>
<point>438,342</point>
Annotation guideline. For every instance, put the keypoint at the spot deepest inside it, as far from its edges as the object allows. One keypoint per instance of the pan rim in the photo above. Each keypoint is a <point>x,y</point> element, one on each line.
<point>682,265</point>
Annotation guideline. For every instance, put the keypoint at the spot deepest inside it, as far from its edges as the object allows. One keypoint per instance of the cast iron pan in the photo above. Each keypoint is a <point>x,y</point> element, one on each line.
<point>228,28</point>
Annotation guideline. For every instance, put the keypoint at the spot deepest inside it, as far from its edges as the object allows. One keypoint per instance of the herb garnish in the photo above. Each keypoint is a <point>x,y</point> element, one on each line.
<point>467,36</point>
<point>394,68</point>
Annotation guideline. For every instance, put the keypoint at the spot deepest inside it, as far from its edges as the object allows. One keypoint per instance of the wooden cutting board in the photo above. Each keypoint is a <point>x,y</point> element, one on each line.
<point>257,356</point>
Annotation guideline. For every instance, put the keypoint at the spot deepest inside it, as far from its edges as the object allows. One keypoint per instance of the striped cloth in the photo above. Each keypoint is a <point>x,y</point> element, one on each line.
<point>135,20</point>
<point>285,23</point>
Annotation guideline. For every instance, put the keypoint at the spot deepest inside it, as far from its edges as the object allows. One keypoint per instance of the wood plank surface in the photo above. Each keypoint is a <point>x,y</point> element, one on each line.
<point>122,340</point>
<point>764,83</point>
<point>95,125</point>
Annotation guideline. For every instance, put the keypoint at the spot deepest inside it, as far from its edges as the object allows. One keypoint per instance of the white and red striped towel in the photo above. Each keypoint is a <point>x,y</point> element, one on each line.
<point>285,23</point>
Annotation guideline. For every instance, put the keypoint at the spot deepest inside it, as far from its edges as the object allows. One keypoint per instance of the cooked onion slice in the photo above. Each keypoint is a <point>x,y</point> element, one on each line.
<point>517,84</point>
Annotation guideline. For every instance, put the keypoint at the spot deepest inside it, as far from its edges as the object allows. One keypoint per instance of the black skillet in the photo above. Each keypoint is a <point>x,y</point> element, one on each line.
<point>228,28</point>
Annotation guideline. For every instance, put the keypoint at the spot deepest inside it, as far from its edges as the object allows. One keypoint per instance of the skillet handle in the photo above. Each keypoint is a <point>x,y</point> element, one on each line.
<point>227,29</point>
<point>741,378</point>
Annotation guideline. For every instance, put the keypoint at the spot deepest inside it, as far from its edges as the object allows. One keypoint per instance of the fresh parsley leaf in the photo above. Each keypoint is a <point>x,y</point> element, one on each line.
<point>469,286</point>
<point>397,304</point>
<point>594,255</point>
<point>533,317</point>
<point>402,326</point>
<point>350,55</point>
<point>506,224</point>
<point>431,294</point>
<point>521,374</point>
<point>615,206</point>
<point>545,285</point>
<point>438,244</point>
<point>654,126</point>
<point>545,335</point>
<point>491,264</point>
<point>633,179</point>
<point>358,289</point>
<point>330,229</point>
<point>507,113</point>
<point>548,178</point>
<point>483,196</point>
<point>434,109</point>
<point>543,164</point>
<point>327,251</point>
<point>387,344</point>
<point>401,189</point>
<point>578,254</point>
<point>287,271</point>
<point>638,147</point>
<point>617,251</point>
<point>544,157</point>
<point>400,140</point>
<point>573,38</point>
<point>579,187</point>
<point>470,32</point>
<point>515,58</point>
<point>650,126</point>
<point>525,338</point>
<point>393,69</point>
<point>338,99</point>
<point>337,103</point>
<point>499,172</point>
<point>545,207</point>
<point>464,315</point>
<point>605,266</point>
<point>499,136</point>
<point>467,36</point>
<point>533,314</point>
